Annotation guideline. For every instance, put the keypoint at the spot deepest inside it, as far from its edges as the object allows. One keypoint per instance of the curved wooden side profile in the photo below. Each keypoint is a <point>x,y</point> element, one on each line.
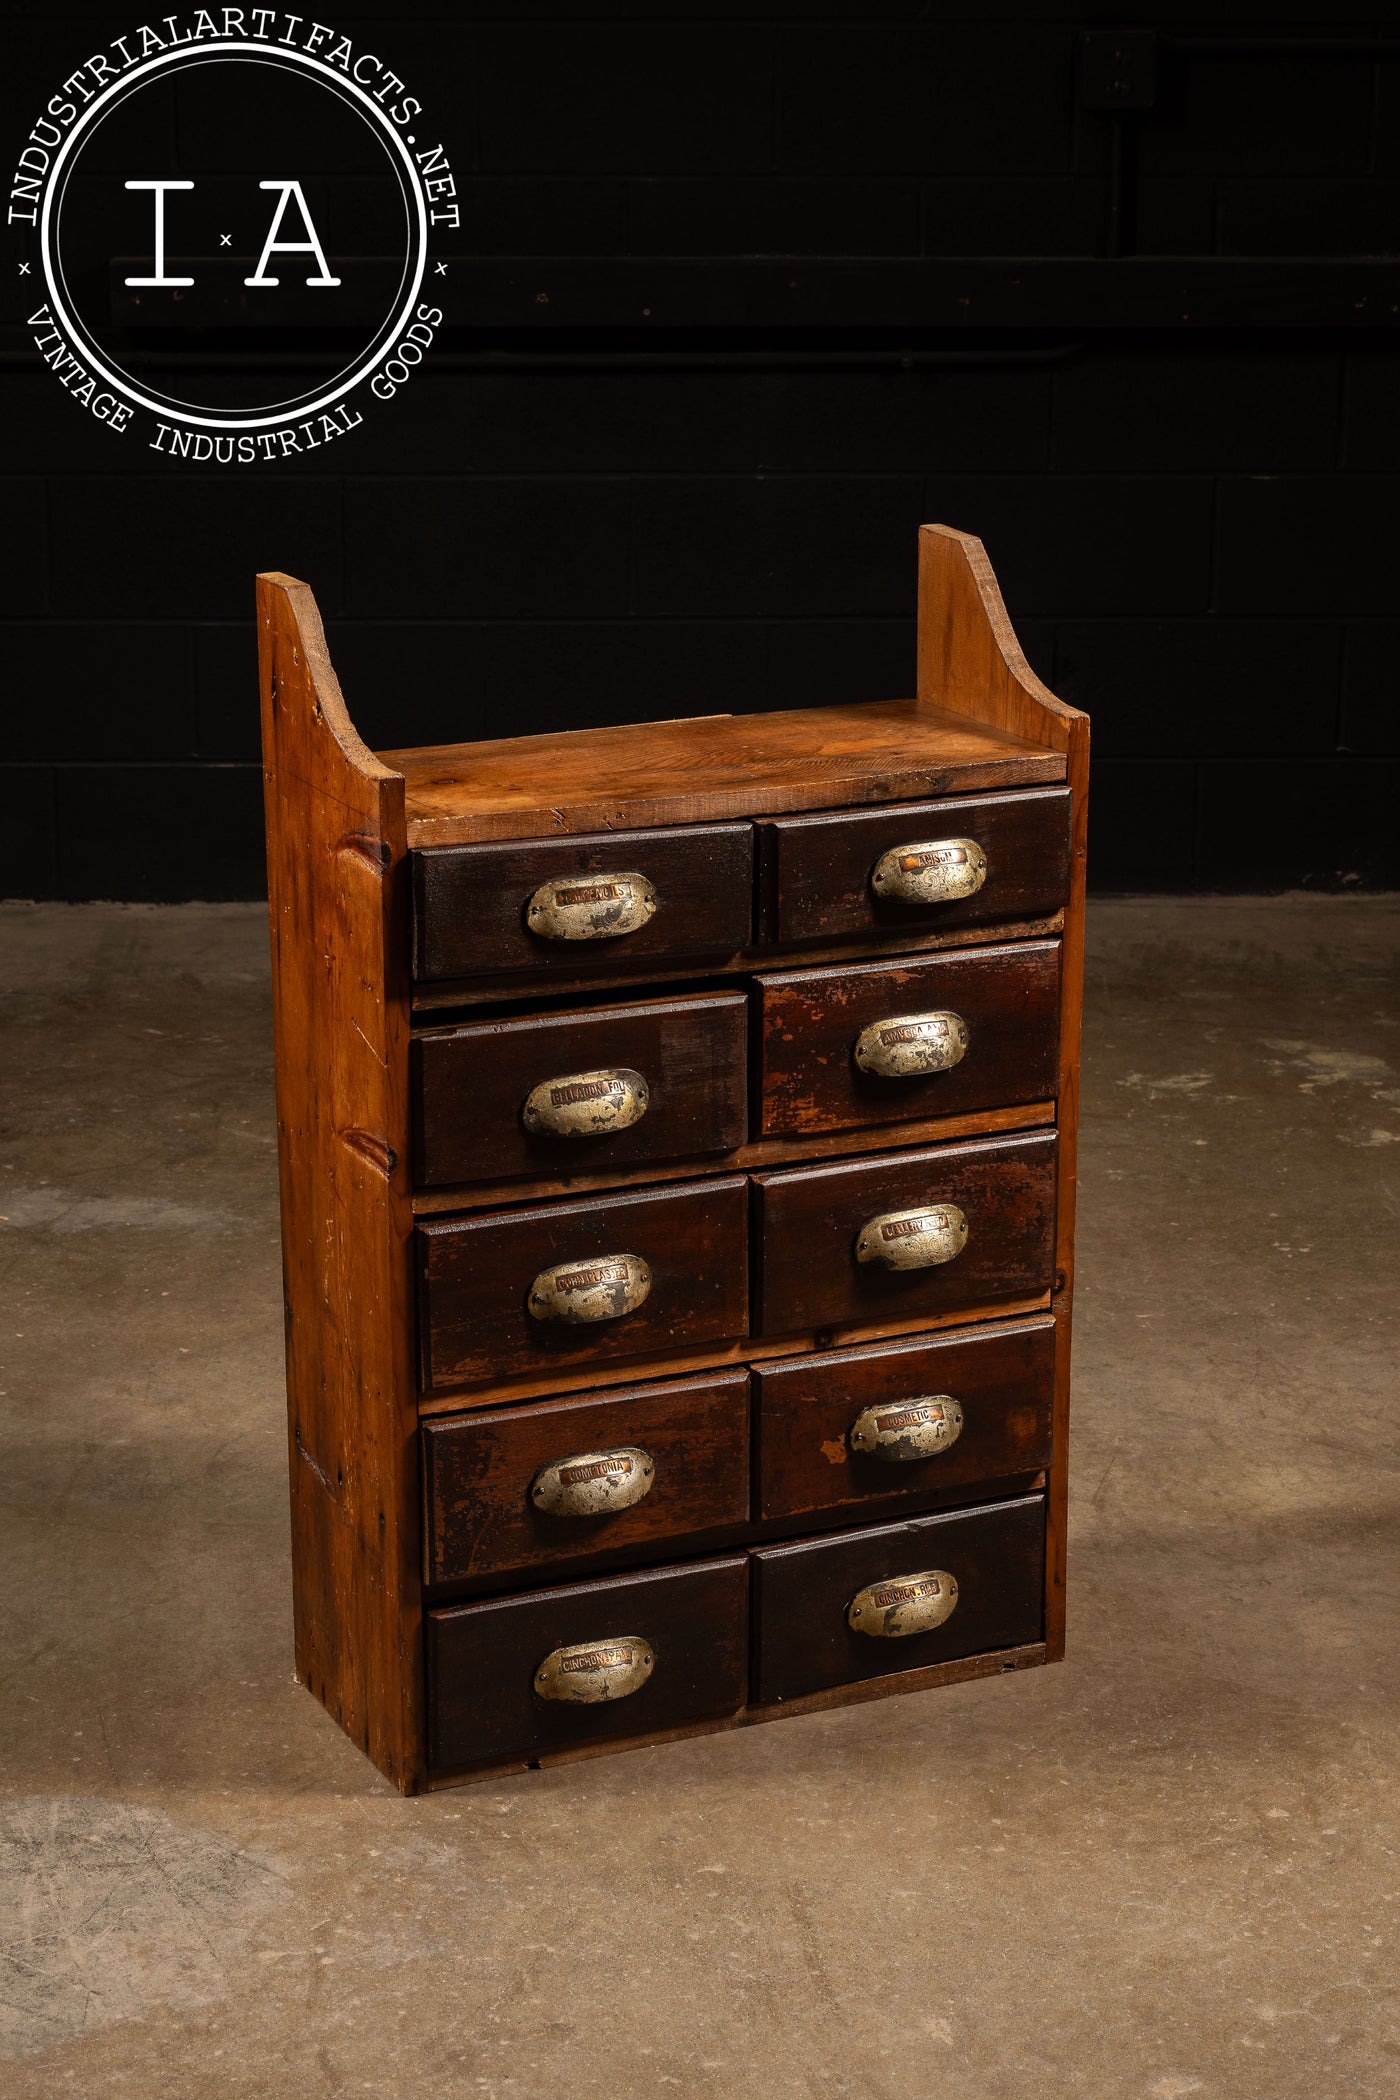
<point>970,663</point>
<point>336,871</point>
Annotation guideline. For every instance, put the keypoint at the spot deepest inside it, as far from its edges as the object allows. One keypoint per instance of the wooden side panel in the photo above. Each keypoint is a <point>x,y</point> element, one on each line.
<point>337,884</point>
<point>969,660</point>
<point>971,664</point>
<point>1071,1030</point>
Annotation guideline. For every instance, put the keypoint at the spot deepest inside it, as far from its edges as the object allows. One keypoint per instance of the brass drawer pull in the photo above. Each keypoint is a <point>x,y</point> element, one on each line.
<point>591,907</point>
<point>602,1289</point>
<point>907,1046</point>
<point>913,1239</point>
<point>586,1104</point>
<point>930,871</point>
<point>592,1483</point>
<point>594,1671</point>
<point>904,1604</point>
<point>910,1429</point>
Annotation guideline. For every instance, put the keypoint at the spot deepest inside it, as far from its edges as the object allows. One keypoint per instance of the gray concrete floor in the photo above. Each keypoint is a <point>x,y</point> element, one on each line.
<point>1165,1868</point>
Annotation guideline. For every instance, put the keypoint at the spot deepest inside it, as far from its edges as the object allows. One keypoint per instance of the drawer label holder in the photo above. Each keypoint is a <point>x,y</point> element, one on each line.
<point>930,871</point>
<point>908,1430</point>
<point>910,1046</point>
<point>591,907</point>
<point>592,1672</point>
<point>606,1288</point>
<point>904,1604</point>
<point>586,1104</point>
<point>913,1239</point>
<point>593,1483</point>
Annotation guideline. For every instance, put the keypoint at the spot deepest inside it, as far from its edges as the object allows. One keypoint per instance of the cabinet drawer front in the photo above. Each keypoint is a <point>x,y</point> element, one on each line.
<point>812,1023</point>
<point>472,1084</point>
<point>686,1442</point>
<point>478,1274</point>
<point>811,1219</point>
<point>805,1643</point>
<point>483,1661</point>
<point>1000,1382</point>
<point>817,871</point>
<point>689,892</point>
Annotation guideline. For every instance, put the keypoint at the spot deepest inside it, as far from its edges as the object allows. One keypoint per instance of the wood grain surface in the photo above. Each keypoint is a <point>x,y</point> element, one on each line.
<point>475,1274</point>
<point>814,871</point>
<point>802,1591</point>
<point>709,766</point>
<point>808,1220</point>
<point>808,1082</point>
<point>482,1659</point>
<point>337,868</point>
<point>469,901</point>
<point>477,1470</point>
<point>1002,1377</point>
<point>470,1083</point>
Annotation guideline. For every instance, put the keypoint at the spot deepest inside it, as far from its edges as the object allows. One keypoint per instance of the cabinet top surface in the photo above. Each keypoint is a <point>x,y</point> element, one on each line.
<point>706,766</point>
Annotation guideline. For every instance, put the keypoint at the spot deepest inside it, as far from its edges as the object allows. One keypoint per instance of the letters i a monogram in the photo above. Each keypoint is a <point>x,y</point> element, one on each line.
<point>271,246</point>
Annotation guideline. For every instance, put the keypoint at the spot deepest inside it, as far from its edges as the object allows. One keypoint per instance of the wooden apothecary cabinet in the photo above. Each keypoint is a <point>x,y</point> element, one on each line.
<point>677,1146</point>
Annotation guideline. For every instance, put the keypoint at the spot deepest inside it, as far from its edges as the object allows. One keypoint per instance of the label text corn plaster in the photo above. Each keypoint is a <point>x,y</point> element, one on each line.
<point>271,250</point>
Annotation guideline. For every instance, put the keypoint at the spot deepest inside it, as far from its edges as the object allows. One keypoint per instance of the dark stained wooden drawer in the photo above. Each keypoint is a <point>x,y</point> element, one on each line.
<point>824,1034</point>
<point>473,1083</point>
<point>810,1219</point>
<point>472,905</point>
<point>816,872</point>
<point>476,1274</point>
<point>804,1641</point>
<point>930,1415</point>
<point>684,1445</point>
<point>483,1661</point>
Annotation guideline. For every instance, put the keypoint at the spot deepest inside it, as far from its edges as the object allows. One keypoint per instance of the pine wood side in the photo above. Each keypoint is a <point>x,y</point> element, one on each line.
<point>337,873</point>
<point>970,663</point>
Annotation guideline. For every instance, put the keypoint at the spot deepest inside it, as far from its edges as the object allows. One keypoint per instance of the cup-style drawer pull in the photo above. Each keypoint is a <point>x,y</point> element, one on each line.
<point>909,1429</point>
<point>904,1604</point>
<point>931,871</point>
<point>907,1046</point>
<point>602,1289</point>
<point>913,1239</point>
<point>593,1671</point>
<point>586,1104</point>
<point>592,1483</point>
<point>591,907</point>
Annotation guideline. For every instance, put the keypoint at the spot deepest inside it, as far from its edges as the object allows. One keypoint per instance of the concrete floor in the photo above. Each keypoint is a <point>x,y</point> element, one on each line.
<point>1165,1868</point>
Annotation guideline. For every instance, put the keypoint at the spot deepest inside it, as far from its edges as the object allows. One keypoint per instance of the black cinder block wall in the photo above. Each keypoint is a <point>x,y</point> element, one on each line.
<point>1173,416</point>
